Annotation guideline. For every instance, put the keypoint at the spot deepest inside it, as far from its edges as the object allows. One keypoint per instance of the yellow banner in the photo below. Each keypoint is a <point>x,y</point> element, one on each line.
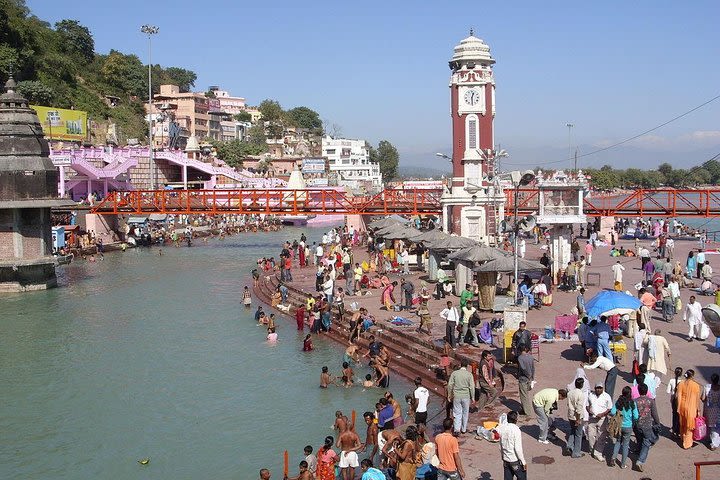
<point>62,124</point>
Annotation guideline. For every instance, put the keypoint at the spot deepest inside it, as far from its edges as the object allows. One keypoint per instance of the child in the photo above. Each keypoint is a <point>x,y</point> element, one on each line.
<point>325,378</point>
<point>347,374</point>
<point>368,383</point>
<point>445,357</point>
<point>272,336</point>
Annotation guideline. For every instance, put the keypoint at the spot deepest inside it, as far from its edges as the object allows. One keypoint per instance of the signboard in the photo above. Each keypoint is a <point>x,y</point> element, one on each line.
<point>62,124</point>
<point>61,161</point>
<point>313,165</point>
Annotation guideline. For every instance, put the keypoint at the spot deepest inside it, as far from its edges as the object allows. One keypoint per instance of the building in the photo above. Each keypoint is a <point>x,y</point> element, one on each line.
<point>191,112</point>
<point>471,203</point>
<point>28,189</point>
<point>350,161</point>
<point>228,103</point>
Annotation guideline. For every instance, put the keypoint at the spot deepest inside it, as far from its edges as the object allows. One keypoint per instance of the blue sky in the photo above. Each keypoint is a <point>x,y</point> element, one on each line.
<point>379,69</point>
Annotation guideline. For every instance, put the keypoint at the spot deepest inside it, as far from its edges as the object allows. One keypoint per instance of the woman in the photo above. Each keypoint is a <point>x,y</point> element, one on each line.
<point>626,405</point>
<point>672,391</point>
<point>688,407</point>
<point>691,264</point>
<point>272,336</point>
<point>711,399</point>
<point>276,297</point>
<point>307,343</point>
<point>327,458</point>
<point>388,299</point>
<point>407,456</point>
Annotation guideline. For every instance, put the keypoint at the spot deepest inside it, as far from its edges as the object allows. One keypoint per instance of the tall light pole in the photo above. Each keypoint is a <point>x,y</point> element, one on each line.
<point>518,180</point>
<point>150,30</point>
<point>570,153</point>
<point>446,157</point>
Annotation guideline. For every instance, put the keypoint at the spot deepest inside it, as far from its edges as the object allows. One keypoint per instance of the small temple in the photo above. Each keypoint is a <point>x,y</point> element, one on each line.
<point>28,190</point>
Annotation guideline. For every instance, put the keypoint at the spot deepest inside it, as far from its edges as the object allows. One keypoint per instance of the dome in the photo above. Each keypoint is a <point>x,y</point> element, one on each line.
<point>472,49</point>
<point>192,145</point>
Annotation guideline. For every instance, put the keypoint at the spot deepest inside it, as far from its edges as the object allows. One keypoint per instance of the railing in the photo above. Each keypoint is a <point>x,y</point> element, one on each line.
<point>698,465</point>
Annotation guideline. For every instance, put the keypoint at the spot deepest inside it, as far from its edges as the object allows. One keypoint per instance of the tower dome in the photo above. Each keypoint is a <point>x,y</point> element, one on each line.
<point>471,49</point>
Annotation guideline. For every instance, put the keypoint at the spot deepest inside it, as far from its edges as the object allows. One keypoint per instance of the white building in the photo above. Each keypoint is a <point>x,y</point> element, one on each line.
<point>350,161</point>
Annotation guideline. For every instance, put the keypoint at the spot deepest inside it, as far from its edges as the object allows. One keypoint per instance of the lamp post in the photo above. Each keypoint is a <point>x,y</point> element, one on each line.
<point>150,30</point>
<point>446,157</point>
<point>519,180</point>
<point>570,154</point>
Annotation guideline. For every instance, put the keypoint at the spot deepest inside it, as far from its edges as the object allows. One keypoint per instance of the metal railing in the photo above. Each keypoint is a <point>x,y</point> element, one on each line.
<point>698,465</point>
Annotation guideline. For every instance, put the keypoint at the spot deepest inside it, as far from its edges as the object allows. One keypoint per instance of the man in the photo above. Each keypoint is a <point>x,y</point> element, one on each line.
<point>576,412</point>
<point>371,435</point>
<point>617,270</point>
<point>521,338</point>
<point>408,289</point>
<point>544,403</point>
<point>264,474</point>
<point>341,423</point>
<point>646,424</point>
<point>574,249</point>
<point>304,473</point>
<point>670,248</point>
<point>468,312</point>
<point>656,355</point>
<point>602,333</point>
<point>448,453</point>
<point>706,272</point>
<point>511,450</point>
<point>644,257</point>
<point>451,316</point>
<point>580,303</point>
<point>357,276</point>
<point>526,375</point>
<point>570,276</point>
<point>608,365</point>
<point>385,415</point>
<point>461,389</point>
<point>258,313</point>
<point>328,287</point>
<point>466,296</point>
<point>488,389</point>
<point>582,271</point>
<point>693,315</point>
<point>349,444</point>
<point>369,472</point>
<point>318,254</point>
<point>421,395</point>
<point>598,407</point>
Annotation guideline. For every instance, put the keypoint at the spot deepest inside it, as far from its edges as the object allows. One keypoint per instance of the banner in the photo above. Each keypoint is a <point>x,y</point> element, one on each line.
<point>62,124</point>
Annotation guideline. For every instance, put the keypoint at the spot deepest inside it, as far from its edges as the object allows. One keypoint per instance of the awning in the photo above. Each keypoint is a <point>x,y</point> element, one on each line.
<point>158,217</point>
<point>137,219</point>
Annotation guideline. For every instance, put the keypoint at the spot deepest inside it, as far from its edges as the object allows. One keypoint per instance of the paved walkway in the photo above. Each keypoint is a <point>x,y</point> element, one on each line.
<point>556,368</point>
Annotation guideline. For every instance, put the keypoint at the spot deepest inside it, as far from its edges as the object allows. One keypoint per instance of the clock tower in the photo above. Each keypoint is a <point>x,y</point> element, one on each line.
<point>471,201</point>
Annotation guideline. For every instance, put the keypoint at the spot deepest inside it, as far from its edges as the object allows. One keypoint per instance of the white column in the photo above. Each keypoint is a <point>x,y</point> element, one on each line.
<point>61,186</point>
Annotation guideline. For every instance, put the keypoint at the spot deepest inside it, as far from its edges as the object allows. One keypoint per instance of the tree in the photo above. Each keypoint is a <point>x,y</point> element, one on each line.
<point>256,136</point>
<point>235,151</point>
<point>271,110</point>
<point>9,59</point>
<point>665,169</point>
<point>210,94</point>
<point>243,117</point>
<point>388,158</point>
<point>76,38</point>
<point>304,117</point>
<point>36,92</point>
<point>125,74</point>
<point>184,79</point>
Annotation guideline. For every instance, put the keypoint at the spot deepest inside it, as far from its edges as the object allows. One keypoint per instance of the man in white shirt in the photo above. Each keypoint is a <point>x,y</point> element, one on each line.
<point>693,315</point>
<point>451,316</point>
<point>706,272</point>
<point>318,254</point>
<point>599,406</point>
<point>604,363</point>
<point>420,402</point>
<point>670,248</point>
<point>617,270</point>
<point>511,449</point>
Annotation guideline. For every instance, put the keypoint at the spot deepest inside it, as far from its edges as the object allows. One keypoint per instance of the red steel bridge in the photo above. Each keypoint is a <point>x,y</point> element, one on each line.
<point>641,202</point>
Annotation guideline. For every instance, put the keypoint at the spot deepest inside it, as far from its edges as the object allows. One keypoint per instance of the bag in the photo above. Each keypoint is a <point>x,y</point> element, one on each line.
<point>704,331</point>
<point>700,431</point>
<point>678,304</point>
<point>635,368</point>
<point>547,300</point>
<point>614,424</point>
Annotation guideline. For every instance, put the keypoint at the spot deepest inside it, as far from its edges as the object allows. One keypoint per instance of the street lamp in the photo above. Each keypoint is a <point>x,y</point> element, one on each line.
<point>442,155</point>
<point>150,30</point>
<point>570,127</point>
<point>519,180</point>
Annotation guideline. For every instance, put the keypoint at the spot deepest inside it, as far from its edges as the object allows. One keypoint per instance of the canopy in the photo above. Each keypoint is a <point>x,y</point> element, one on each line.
<point>388,221</point>
<point>506,264</point>
<point>610,302</point>
<point>452,242</point>
<point>427,238</point>
<point>478,253</point>
<point>396,231</point>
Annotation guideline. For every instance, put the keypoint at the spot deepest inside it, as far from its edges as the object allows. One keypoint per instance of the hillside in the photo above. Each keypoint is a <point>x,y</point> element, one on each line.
<point>56,65</point>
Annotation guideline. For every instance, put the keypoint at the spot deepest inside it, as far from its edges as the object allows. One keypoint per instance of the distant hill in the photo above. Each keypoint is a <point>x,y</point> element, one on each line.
<point>412,171</point>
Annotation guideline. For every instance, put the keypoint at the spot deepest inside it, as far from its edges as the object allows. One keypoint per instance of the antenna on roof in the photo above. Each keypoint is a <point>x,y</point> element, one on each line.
<point>472,32</point>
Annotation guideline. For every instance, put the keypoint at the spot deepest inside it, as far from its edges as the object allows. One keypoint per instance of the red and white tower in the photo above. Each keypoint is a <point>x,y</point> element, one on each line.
<point>469,206</point>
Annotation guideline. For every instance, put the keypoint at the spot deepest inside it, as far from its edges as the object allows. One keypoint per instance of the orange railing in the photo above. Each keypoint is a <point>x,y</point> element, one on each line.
<point>698,465</point>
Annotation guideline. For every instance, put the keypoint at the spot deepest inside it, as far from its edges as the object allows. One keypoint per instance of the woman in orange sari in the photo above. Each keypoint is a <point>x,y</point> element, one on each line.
<point>688,407</point>
<point>327,458</point>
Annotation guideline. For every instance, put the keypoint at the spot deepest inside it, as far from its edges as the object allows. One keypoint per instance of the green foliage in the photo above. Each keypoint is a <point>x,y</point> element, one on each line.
<point>124,74</point>
<point>243,117</point>
<point>210,94</point>
<point>388,158</point>
<point>304,117</point>
<point>235,151</point>
<point>9,59</point>
<point>76,38</point>
<point>608,178</point>
<point>271,110</point>
<point>257,137</point>
<point>185,79</point>
<point>36,92</point>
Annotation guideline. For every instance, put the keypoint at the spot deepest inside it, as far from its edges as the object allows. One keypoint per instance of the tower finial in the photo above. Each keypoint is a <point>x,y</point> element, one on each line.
<point>472,32</point>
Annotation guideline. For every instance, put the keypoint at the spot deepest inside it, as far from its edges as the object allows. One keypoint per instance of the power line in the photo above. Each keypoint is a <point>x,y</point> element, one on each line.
<point>627,139</point>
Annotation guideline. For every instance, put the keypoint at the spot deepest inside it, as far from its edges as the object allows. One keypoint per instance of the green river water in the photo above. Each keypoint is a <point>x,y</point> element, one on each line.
<point>142,355</point>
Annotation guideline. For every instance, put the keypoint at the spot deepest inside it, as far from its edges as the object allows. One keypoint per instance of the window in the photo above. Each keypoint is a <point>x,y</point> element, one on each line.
<point>330,151</point>
<point>472,132</point>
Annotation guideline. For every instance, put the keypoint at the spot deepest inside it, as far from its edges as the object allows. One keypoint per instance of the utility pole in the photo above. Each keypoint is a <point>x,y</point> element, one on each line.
<point>570,149</point>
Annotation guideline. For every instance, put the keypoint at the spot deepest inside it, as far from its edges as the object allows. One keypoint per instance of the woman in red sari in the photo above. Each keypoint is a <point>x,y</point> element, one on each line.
<point>327,458</point>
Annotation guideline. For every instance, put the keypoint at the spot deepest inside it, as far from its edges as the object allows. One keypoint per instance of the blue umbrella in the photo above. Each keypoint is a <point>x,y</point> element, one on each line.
<point>610,302</point>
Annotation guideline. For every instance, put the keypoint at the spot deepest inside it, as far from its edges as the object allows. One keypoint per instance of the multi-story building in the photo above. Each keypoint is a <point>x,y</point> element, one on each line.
<point>192,112</point>
<point>350,161</point>
<point>228,103</point>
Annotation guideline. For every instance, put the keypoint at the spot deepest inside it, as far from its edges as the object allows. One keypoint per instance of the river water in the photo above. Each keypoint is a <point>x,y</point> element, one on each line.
<point>142,355</point>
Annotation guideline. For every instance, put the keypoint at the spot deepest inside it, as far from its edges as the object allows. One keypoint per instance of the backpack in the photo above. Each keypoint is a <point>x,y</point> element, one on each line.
<point>614,425</point>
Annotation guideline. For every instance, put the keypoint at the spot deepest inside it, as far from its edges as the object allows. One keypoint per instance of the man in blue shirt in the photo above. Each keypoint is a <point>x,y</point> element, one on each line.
<point>369,472</point>
<point>602,332</point>
<point>385,414</point>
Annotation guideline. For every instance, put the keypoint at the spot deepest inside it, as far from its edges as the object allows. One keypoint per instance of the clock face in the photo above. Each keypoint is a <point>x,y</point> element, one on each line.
<point>472,97</point>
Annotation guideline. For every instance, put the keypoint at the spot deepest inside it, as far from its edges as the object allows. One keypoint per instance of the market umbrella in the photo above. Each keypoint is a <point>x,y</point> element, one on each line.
<point>427,238</point>
<point>452,242</point>
<point>478,253</point>
<point>506,264</point>
<point>711,314</point>
<point>396,232</point>
<point>387,221</point>
<point>610,302</point>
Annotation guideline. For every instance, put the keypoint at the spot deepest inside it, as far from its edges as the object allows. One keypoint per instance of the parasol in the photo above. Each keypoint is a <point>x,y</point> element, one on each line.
<point>452,242</point>
<point>506,264</point>
<point>610,302</point>
<point>478,253</point>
